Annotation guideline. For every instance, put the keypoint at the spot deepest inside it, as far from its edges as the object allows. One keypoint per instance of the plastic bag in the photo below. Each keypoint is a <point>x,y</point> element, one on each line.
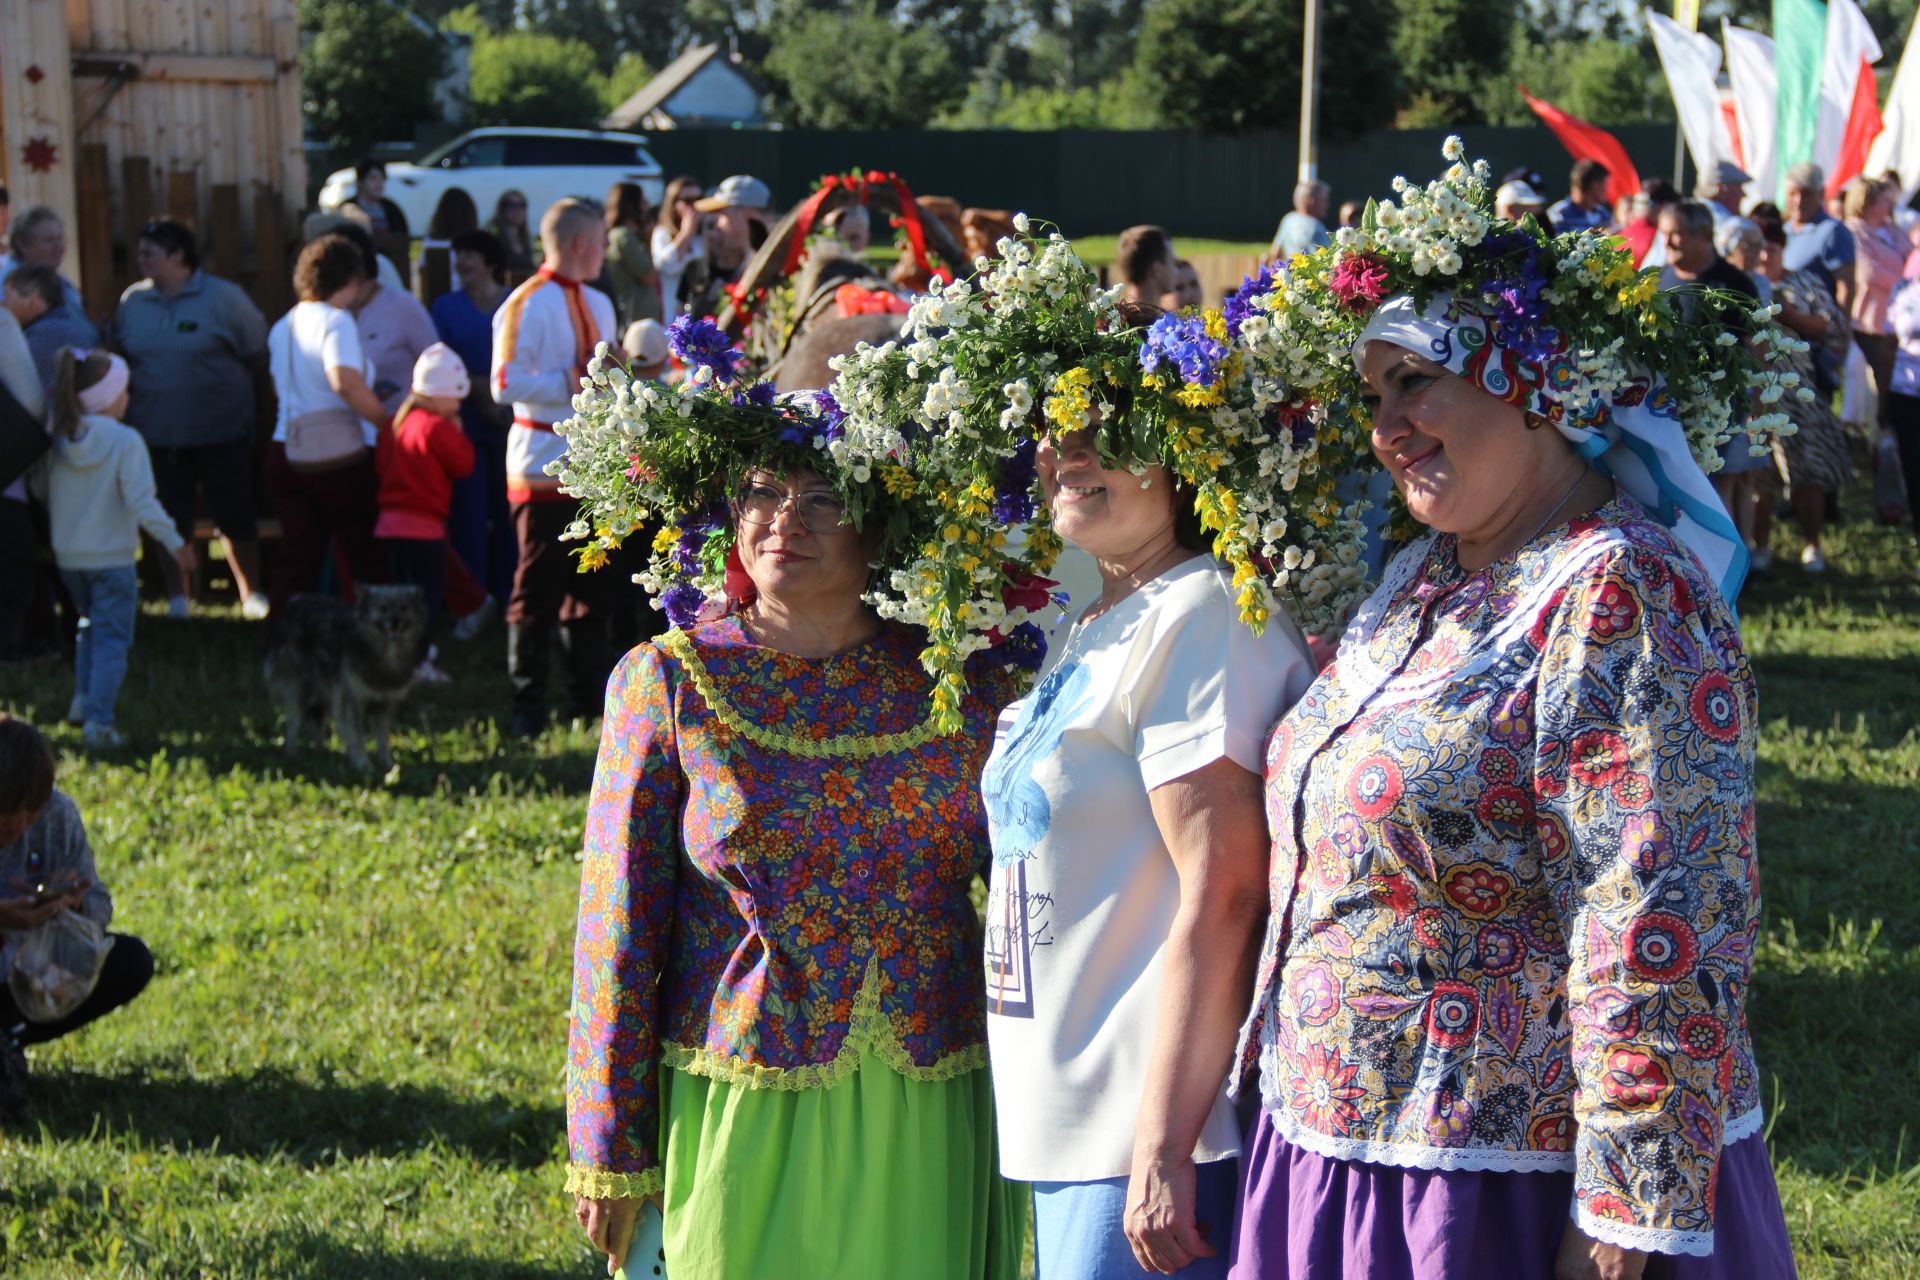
<point>57,966</point>
<point>1890,494</point>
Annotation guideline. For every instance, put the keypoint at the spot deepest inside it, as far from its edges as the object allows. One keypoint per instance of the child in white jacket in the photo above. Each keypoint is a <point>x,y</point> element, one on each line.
<point>97,483</point>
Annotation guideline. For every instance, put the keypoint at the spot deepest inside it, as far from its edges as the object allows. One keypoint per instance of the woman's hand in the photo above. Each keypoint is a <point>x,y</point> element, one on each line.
<point>1584,1258</point>
<point>610,1224</point>
<point>1160,1221</point>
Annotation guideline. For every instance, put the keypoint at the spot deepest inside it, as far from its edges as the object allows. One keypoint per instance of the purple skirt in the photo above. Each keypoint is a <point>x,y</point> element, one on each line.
<point>1308,1217</point>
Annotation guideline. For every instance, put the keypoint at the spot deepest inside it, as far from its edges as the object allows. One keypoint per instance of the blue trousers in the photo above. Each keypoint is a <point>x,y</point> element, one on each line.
<point>107,601</point>
<point>1077,1231</point>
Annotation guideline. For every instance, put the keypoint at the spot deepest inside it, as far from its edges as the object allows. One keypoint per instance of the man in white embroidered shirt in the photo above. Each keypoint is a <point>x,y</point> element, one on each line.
<point>543,336</point>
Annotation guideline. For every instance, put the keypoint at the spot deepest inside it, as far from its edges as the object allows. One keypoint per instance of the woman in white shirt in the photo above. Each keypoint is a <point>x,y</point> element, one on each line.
<point>677,242</point>
<point>1128,887</point>
<point>315,356</point>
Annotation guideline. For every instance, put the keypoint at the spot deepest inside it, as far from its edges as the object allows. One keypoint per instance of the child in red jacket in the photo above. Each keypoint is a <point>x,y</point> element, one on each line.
<point>419,458</point>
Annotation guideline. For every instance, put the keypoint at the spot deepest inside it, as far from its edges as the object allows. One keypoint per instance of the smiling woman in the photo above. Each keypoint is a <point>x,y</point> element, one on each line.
<point>777,944</point>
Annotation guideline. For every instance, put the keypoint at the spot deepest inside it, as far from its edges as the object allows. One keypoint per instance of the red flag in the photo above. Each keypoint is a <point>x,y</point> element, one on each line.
<point>1589,142</point>
<point>1732,119</point>
<point>1863,126</point>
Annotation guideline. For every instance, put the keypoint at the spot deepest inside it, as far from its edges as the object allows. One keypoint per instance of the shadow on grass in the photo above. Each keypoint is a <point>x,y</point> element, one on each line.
<point>271,1113</point>
<point>1811,693</point>
<point>1838,849</point>
<point>1839,1049</point>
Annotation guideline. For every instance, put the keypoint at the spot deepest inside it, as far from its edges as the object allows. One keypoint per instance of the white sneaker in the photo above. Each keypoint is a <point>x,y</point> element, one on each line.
<point>255,607</point>
<point>467,626</point>
<point>101,736</point>
<point>427,673</point>
<point>1812,560</point>
<point>179,607</point>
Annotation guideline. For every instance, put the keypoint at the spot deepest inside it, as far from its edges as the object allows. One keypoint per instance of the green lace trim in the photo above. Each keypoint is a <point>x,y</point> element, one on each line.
<point>869,1032</point>
<point>854,746</point>
<point>604,1184</point>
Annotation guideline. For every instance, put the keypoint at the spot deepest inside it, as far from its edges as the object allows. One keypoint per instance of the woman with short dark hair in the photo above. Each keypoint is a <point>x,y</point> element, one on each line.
<point>194,343</point>
<point>320,367</point>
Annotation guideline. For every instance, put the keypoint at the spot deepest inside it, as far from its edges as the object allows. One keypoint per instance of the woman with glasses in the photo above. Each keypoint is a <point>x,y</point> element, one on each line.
<point>510,224</point>
<point>778,1028</point>
<point>677,242</point>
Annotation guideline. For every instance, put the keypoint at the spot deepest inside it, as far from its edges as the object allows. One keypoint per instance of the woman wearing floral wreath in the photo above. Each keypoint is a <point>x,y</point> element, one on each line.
<point>1123,793</point>
<point>778,1025</point>
<point>1500,1022</point>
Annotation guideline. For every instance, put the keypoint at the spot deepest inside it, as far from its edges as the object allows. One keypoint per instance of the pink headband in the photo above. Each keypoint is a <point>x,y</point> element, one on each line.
<point>99,397</point>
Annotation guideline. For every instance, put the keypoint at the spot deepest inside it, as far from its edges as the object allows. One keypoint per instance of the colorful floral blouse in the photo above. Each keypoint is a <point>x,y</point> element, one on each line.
<point>1513,888</point>
<point>778,862</point>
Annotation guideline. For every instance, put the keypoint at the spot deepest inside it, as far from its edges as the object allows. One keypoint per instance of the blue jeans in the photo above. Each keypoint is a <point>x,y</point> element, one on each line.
<point>107,601</point>
<point>1077,1231</point>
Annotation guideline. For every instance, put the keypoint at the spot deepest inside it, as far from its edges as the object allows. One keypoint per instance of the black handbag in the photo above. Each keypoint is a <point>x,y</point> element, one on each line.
<point>23,438</point>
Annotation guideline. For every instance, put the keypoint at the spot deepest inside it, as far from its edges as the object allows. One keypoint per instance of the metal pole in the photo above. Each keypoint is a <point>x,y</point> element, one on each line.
<point>1310,95</point>
<point>1679,158</point>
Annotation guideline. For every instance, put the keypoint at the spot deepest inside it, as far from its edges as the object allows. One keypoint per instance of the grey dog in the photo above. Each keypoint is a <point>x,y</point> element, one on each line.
<point>352,663</point>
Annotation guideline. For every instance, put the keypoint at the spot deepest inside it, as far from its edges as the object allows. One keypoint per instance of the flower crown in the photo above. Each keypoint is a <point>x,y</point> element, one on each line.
<point>1572,306</point>
<point>1033,346</point>
<point>640,453</point>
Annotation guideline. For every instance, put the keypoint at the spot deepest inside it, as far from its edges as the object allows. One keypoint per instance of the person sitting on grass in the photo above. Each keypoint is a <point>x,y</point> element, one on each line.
<point>46,867</point>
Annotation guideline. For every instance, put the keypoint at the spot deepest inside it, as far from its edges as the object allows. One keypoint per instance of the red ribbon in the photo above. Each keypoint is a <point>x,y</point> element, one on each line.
<point>859,186</point>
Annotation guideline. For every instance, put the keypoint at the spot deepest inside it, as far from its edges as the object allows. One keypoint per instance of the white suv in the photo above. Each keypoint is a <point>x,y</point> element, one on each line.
<point>543,164</point>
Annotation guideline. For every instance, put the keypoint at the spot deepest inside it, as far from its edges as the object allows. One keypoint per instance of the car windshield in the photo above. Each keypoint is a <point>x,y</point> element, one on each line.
<point>440,152</point>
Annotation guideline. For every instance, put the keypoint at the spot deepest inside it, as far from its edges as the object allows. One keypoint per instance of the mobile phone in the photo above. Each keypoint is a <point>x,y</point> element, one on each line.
<point>647,1255</point>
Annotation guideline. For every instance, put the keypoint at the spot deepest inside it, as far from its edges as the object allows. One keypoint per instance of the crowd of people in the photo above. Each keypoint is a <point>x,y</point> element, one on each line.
<point>451,498</point>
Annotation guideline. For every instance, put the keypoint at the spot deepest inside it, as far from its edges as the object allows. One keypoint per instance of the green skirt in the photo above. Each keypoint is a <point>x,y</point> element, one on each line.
<point>874,1176</point>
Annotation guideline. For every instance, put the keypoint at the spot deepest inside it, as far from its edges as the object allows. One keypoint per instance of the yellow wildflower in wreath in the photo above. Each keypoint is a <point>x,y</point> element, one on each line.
<point>1071,400</point>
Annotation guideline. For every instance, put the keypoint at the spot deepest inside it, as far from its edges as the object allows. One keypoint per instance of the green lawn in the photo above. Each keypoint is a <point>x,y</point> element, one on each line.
<point>350,1062</point>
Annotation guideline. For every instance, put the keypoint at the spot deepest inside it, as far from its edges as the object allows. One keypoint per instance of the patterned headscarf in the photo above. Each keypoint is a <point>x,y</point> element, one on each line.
<point>1636,438</point>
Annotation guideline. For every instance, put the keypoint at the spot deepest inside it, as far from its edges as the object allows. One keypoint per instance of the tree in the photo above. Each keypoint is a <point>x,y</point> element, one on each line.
<point>528,78</point>
<point>1449,52</point>
<point>628,77</point>
<point>858,70</point>
<point>1235,65</point>
<point>1116,104</point>
<point>367,73</point>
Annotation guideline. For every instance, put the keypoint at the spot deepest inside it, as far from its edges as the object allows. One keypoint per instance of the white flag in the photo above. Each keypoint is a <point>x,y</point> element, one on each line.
<point>1755,104</point>
<point>1898,147</point>
<point>1692,64</point>
<point>1849,43</point>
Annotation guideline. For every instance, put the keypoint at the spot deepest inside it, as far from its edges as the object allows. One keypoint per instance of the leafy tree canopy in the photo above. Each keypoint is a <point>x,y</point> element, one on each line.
<point>367,73</point>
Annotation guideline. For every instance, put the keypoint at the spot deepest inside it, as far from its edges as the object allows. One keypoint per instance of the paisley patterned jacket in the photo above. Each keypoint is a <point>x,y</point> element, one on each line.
<point>1514,897</point>
<point>778,863</point>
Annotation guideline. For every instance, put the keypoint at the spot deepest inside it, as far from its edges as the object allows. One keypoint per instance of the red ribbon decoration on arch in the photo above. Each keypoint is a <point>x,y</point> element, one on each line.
<point>858,185</point>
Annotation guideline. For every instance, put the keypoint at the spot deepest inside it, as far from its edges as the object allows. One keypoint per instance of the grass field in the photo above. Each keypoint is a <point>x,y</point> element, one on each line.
<point>349,1064</point>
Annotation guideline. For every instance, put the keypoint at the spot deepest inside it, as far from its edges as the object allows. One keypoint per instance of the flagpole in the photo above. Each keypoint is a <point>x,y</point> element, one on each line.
<point>1310,95</point>
<point>1687,14</point>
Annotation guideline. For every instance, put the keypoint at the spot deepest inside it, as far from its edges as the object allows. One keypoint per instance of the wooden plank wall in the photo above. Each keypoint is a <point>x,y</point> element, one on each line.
<point>209,131</point>
<point>36,112</point>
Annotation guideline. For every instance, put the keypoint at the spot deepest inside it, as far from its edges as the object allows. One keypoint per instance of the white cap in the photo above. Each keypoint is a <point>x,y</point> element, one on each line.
<point>646,342</point>
<point>741,191</point>
<point>1516,193</point>
<point>439,372</point>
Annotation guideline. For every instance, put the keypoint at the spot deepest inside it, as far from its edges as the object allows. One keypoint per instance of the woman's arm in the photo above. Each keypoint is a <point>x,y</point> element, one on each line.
<point>1214,827</point>
<point>352,387</point>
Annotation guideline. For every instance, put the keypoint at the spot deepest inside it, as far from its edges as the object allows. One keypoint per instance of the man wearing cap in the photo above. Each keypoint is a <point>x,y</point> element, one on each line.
<point>1723,189</point>
<point>543,336</point>
<point>1816,241</point>
<point>1516,199</point>
<point>737,214</point>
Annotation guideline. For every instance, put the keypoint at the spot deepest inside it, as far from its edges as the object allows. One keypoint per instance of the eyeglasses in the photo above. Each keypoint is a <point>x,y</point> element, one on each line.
<point>819,512</point>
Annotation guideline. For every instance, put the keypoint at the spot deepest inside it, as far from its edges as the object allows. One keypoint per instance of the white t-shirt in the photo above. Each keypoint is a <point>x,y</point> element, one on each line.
<point>303,344</point>
<point>1084,890</point>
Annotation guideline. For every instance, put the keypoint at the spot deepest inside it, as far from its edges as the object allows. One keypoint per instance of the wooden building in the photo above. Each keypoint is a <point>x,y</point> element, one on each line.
<point>117,111</point>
